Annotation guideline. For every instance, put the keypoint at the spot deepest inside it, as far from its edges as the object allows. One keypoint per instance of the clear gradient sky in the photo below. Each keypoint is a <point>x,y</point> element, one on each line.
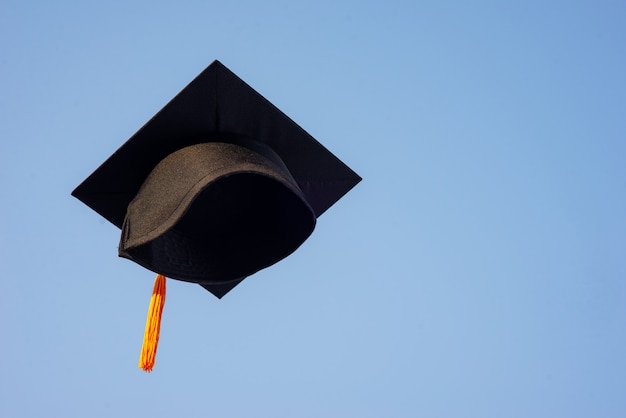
<point>479,269</point>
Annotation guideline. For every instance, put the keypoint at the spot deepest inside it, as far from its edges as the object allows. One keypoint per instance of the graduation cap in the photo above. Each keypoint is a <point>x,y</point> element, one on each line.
<point>218,185</point>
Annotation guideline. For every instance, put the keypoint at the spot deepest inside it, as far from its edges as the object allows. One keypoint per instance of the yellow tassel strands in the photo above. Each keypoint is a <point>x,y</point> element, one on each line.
<point>153,325</point>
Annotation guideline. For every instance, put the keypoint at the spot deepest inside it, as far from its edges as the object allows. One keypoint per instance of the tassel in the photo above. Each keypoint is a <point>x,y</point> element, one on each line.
<point>153,325</point>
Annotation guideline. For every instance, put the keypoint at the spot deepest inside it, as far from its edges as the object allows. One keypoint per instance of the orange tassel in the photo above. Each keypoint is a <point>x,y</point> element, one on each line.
<point>153,325</point>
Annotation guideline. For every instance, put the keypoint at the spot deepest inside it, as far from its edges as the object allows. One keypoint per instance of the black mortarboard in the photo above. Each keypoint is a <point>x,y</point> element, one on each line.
<point>217,185</point>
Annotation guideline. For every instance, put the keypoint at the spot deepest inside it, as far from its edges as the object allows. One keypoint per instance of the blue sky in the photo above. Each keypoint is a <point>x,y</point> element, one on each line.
<point>477,271</point>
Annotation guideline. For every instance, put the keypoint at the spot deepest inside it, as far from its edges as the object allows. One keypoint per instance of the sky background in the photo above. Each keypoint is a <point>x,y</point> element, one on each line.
<point>478,270</point>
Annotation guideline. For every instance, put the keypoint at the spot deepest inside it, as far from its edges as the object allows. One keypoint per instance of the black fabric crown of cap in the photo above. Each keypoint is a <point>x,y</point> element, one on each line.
<point>218,185</point>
